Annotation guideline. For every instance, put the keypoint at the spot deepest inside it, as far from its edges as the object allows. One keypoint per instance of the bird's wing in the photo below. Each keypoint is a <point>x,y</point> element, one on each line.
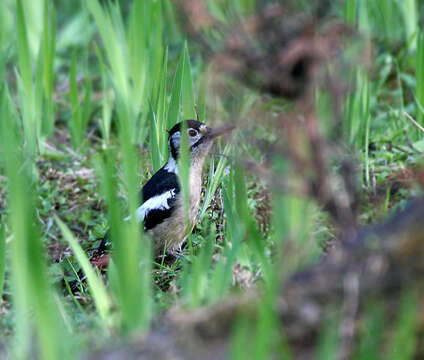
<point>159,196</point>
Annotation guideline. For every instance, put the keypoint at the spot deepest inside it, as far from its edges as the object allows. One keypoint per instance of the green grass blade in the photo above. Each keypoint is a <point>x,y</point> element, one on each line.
<point>155,152</point>
<point>419,69</point>
<point>372,334</point>
<point>107,102</point>
<point>188,107</point>
<point>23,49</point>
<point>184,178</point>
<point>141,57</point>
<point>26,93</point>
<point>182,96</point>
<point>95,283</point>
<point>162,105</point>
<point>20,277</point>
<point>75,124</point>
<point>48,48</point>
<point>349,11</point>
<point>113,46</point>
<point>215,180</point>
<point>86,106</point>
<point>410,14</point>
<point>195,276</point>
<point>367,116</point>
<point>234,232</point>
<point>173,115</point>
<point>328,343</point>
<point>239,349</point>
<point>132,287</point>
<point>405,341</point>
<point>159,148</point>
<point>2,257</point>
<point>30,280</point>
<point>244,215</point>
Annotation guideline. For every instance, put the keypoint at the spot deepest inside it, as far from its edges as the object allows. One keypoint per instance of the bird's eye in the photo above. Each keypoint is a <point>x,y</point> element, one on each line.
<point>192,132</point>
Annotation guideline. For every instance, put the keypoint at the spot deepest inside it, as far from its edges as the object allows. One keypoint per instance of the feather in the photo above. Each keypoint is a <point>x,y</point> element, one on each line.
<point>159,195</point>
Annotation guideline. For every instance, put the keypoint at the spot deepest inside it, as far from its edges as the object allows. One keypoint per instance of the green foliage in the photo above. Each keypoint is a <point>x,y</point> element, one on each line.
<point>31,285</point>
<point>163,115</point>
<point>138,81</point>
<point>349,11</point>
<point>329,339</point>
<point>133,51</point>
<point>357,116</point>
<point>80,113</point>
<point>157,118</point>
<point>215,178</point>
<point>405,340</point>
<point>2,256</point>
<point>420,76</point>
<point>131,283</point>
<point>98,289</point>
<point>30,112</point>
<point>107,101</point>
<point>47,56</point>
<point>369,347</point>
<point>36,75</point>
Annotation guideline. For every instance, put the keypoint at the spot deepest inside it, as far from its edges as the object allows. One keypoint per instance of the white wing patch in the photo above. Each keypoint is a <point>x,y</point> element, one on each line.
<point>158,202</point>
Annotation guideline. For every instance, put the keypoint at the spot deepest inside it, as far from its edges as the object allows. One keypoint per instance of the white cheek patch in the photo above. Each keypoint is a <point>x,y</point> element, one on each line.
<point>158,202</point>
<point>194,140</point>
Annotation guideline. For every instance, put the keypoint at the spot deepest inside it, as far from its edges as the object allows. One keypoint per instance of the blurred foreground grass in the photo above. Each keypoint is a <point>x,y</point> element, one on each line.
<point>88,90</point>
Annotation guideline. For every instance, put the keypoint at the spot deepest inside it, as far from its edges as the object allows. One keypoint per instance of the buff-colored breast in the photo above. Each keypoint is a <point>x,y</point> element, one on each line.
<point>173,231</point>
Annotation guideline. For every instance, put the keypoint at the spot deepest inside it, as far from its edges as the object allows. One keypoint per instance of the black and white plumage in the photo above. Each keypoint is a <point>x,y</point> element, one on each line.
<point>159,196</point>
<point>162,210</point>
<point>162,205</point>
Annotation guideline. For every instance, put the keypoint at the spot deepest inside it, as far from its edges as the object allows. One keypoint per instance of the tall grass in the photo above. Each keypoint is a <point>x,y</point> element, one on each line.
<point>135,57</point>
<point>182,106</point>
<point>107,101</point>
<point>405,338</point>
<point>141,94</point>
<point>101,298</point>
<point>371,335</point>
<point>410,14</point>
<point>349,11</point>
<point>131,283</point>
<point>389,19</point>
<point>133,51</point>
<point>158,116</point>
<point>202,284</point>
<point>357,117</point>
<point>164,114</point>
<point>2,256</point>
<point>80,111</point>
<point>419,68</point>
<point>32,292</point>
<point>36,76</point>
<point>46,58</point>
<point>29,105</point>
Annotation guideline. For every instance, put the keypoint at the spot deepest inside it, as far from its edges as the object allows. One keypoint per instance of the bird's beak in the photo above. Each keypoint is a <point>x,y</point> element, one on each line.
<point>213,133</point>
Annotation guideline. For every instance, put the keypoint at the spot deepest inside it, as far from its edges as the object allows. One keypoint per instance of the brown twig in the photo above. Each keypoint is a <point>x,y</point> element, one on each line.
<point>410,118</point>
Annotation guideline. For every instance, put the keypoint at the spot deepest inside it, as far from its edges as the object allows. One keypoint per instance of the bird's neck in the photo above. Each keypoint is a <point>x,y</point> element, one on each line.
<point>171,165</point>
<point>195,166</point>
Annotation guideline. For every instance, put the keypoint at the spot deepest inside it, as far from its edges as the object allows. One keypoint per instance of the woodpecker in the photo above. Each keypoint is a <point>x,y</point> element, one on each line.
<point>162,209</point>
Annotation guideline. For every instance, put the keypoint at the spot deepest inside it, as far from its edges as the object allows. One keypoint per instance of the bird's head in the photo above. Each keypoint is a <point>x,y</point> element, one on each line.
<point>199,137</point>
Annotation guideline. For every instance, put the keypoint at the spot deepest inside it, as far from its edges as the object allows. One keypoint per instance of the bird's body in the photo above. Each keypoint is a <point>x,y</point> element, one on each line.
<point>162,209</point>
